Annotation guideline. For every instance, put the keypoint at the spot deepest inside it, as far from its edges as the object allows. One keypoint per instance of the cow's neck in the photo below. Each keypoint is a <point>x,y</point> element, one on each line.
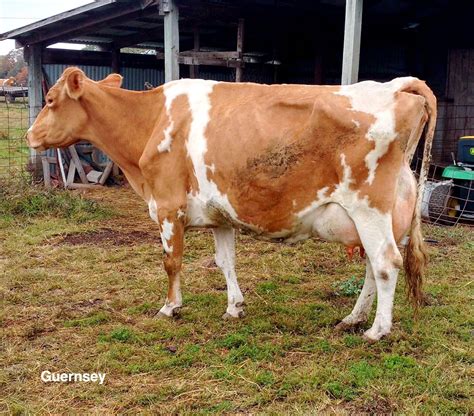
<point>121,123</point>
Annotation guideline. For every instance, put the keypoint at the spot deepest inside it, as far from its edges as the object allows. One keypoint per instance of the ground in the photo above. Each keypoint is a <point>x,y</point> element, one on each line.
<point>81,283</point>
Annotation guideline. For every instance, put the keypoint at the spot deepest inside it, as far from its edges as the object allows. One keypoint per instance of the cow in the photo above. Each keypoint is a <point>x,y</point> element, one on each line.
<point>283,162</point>
<point>7,82</point>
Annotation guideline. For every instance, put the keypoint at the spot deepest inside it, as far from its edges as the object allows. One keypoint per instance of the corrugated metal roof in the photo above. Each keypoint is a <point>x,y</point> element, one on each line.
<point>112,18</point>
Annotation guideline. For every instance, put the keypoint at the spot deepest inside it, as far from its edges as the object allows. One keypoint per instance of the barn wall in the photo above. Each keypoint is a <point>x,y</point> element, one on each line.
<point>456,113</point>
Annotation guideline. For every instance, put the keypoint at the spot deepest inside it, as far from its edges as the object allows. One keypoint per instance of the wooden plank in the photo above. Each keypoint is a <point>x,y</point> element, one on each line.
<point>71,174</point>
<point>69,31</point>
<point>188,60</point>
<point>240,48</point>
<point>56,18</point>
<point>84,186</point>
<point>211,54</point>
<point>194,69</point>
<point>351,52</point>
<point>46,172</point>
<point>106,173</point>
<point>77,162</point>
<point>32,56</point>
<point>171,35</point>
<point>115,61</point>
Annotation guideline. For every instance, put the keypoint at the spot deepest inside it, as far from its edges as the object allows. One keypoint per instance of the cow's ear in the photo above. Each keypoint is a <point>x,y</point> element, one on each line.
<point>112,80</point>
<point>75,84</point>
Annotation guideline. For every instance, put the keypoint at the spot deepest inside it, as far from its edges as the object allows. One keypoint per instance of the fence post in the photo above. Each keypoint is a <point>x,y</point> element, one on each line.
<point>351,52</point>
<point>32,54</point>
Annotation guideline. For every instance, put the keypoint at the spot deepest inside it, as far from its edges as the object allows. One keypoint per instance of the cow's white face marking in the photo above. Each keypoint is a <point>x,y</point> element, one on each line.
<point>180,213</point>
<point>153,209</point>
<point>356,123</point>
<point>166,234</point>
<point>377,99</point>
<point>198,93</point>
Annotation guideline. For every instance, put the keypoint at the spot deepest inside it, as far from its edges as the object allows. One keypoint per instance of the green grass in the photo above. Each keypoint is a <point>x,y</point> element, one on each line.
<point>91,307</point>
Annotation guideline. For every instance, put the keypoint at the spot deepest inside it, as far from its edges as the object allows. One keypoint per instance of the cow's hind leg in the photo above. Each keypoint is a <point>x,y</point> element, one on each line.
<point>225,259</point>
<point>375,231</point>
<point>172,235</point>
<point>362,308</point>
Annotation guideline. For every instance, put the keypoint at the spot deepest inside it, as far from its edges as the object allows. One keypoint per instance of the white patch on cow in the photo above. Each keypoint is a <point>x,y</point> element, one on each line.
<point>356,123</point>
<point>377,99</point>
<point>180,213</point>
<point>212,168</point>
<point>166,234</point>
<point>198,93</point>
<point>165,144</point>
<point>153,209</point>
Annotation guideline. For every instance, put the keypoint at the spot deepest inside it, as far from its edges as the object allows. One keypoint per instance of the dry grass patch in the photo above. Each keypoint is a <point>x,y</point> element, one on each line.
<point>89,306</point>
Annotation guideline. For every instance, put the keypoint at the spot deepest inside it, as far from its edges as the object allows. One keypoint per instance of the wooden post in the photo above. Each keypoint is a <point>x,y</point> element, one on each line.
<point>240,47</point>
<point>351,53</point>
<point>194,69</point>
<point>32,55</point>
<point>115,63</point>
<point>171,33</point>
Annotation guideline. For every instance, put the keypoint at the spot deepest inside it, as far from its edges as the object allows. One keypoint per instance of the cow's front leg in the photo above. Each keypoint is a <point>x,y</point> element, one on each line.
<point>172,236</point>
<point>225,259</point>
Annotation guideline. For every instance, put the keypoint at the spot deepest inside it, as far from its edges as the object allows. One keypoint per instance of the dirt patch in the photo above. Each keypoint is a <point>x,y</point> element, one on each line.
<point>107,236</point>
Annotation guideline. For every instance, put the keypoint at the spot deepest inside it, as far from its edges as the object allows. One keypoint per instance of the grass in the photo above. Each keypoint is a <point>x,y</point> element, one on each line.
<point>90,306</point>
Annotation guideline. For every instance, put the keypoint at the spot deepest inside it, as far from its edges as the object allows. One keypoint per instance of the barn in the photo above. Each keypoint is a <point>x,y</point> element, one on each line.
<point>267,41</point>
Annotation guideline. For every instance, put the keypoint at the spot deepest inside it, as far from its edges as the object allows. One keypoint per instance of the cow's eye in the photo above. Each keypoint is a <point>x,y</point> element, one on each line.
<point>49,102</point>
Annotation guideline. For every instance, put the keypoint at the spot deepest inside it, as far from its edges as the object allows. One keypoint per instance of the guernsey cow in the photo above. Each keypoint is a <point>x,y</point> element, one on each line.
<point>284,162</point>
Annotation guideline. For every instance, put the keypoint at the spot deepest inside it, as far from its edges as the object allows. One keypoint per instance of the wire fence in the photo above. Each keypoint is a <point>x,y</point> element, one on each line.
<point>446,201</point>
<point>14,122</point>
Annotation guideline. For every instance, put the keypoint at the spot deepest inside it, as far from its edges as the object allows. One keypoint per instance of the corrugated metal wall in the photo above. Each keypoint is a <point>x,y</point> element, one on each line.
<point>133,78</point>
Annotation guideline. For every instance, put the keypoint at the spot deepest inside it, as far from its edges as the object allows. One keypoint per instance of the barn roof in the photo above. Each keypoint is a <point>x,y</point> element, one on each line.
<point>114,24</point>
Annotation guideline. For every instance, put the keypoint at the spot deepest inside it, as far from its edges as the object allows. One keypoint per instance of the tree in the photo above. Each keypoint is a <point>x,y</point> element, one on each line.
<point>11,63</point>
<point>22,77</point>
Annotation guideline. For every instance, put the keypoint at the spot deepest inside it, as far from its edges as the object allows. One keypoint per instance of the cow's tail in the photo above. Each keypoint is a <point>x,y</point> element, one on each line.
<point>416,254</point>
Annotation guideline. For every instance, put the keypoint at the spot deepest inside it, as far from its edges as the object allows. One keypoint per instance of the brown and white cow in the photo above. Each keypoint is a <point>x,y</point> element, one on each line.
<point>285,162</point>
<point>7,82</point>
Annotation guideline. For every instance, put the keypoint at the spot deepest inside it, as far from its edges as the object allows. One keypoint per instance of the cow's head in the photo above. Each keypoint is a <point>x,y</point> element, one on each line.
<point>10,81</point>
<point>64,120</point>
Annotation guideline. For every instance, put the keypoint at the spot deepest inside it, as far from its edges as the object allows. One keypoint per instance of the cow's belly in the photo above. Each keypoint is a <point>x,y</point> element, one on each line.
<point>329,222</point>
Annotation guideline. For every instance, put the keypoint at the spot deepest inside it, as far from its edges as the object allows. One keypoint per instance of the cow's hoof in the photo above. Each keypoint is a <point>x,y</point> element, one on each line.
<point>227,315</point>
<point>343,327</point>
<point>372,336</point>
<point>173,313</point>
<point>346,326</point>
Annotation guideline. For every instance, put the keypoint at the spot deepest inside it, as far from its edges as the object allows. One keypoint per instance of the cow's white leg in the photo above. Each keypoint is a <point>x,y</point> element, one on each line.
<point>225,259</point>
<point>375,231</point>
<point>362,308</point>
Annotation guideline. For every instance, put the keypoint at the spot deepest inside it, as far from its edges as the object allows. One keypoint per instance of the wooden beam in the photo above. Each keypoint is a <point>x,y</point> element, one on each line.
<point>240,47</point>
<point>351,52</point>
<point>115,62</point>
<point>194,69</point>
<point>171,34</point>
<point>32,56</point>
<point>102,21</point>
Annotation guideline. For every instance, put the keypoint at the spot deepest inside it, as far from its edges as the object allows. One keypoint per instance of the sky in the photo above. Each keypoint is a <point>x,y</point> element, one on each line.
<point>18,13</point>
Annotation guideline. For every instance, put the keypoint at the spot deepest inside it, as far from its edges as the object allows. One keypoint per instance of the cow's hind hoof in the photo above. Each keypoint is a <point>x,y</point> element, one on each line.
<point>228,316</point>
<point>343,327</point>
